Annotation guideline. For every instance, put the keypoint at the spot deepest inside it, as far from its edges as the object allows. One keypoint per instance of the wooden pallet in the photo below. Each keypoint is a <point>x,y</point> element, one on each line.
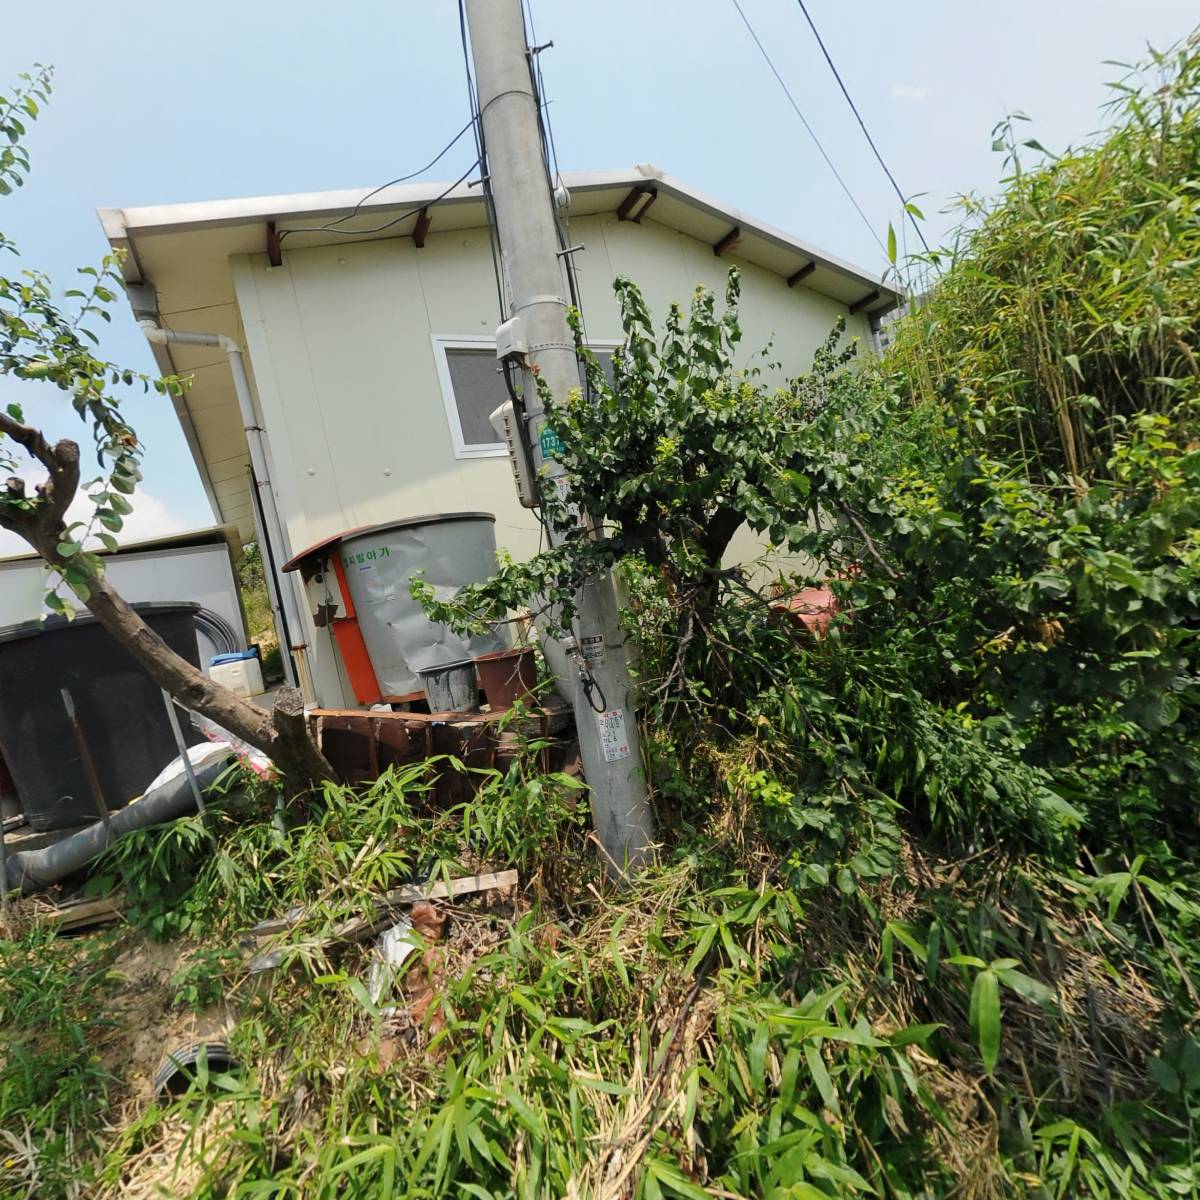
<point>361,745</point>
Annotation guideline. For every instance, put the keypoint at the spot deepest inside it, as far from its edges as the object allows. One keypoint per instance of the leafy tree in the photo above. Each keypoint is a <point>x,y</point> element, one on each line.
<point>668,461</point>
<point>44,341</point>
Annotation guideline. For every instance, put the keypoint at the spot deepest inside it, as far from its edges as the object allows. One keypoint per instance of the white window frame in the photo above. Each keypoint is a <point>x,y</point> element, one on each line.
<point>474,341</point>
<point>464,341</point>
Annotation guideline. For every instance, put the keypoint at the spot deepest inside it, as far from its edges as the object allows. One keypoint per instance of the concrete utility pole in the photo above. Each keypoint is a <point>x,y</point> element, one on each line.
<point>535,286</point>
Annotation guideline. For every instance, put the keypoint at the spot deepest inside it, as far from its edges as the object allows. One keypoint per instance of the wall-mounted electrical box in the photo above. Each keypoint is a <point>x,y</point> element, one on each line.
<point>507,425</point>
<point>510,340</point>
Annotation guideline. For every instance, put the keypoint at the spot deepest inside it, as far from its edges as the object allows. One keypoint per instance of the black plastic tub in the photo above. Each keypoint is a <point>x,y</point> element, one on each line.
<point>119,707</point>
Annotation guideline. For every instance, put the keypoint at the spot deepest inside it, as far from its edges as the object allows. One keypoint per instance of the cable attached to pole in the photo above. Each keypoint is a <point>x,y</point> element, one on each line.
<point>412,212</point>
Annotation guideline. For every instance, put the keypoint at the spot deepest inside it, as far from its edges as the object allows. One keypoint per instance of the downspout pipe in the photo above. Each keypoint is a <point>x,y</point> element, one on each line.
<point>272,531</point>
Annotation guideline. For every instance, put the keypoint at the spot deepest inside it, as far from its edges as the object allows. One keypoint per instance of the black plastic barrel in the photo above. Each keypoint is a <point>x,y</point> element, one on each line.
<point>119,707</point>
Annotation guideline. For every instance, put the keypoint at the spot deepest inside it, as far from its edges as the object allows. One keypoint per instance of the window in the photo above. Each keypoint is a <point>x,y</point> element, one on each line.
<point>473,388</point>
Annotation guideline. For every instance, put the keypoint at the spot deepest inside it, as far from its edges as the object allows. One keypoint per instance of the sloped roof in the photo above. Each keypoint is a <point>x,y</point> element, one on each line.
<point>182,251</point>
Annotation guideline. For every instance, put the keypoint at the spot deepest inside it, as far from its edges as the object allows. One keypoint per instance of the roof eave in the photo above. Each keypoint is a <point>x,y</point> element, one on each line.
<point>123,226</point>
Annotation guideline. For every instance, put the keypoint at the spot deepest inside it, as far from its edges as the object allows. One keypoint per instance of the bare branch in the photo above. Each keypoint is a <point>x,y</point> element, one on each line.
<point>31,438</point>
<point>872,549</point>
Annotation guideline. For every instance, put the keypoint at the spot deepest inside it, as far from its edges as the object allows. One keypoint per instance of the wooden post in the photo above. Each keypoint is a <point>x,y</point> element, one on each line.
<point>89,767</point>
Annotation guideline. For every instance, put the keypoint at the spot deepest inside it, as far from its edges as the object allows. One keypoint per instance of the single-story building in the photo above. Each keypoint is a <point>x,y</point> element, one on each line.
<point>367,319</point>
<point>199,565</point>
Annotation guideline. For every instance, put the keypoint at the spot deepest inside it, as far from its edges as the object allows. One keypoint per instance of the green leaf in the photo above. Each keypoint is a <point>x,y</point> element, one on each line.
<point>985,1017</point>
<point>891,244</point>
<point>1164,1075</point>
<point>67,549</point>
<point>820,1074</point>
<point>966,960</point>
<point>909,937</point>
<point>703,945</point>
<point>669,1176</point>
<point>1027,986</point>
<point>914,1033</point>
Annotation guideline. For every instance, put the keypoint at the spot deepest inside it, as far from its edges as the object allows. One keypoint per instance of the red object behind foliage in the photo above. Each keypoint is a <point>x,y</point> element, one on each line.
<point>810,608</point>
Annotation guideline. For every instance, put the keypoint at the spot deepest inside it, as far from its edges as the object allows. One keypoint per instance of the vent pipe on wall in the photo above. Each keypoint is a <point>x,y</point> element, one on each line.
<point>270,529</point>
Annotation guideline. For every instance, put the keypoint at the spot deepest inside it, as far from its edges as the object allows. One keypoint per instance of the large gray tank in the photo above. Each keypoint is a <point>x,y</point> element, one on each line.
<point>451,550</point>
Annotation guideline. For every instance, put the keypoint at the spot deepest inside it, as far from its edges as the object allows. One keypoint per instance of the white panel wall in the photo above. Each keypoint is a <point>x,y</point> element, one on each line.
<point>202,574</point>
<point>343,362</point>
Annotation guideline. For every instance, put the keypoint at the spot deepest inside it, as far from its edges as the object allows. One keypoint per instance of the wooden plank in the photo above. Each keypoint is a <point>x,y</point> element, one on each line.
<point>410,893</point>
<point>85,914</point>
<point>859,305</point>
<point>728,242</point>
<point>358,929</point>
<point>625,208</point>
<point>421,229</point>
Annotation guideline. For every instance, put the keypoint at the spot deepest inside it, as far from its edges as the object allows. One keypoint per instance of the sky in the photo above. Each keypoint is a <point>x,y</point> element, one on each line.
<point>162,103</point>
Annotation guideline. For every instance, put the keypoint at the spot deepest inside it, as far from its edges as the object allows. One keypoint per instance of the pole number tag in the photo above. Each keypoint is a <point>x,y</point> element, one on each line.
<point>614,740</point>
<point>550,443</point>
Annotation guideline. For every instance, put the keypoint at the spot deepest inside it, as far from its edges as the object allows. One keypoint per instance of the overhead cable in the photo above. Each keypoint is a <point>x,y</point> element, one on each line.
<point>405,178</point>
<point>863,125</point>
<point>412,212</point>
<point>811,133</point>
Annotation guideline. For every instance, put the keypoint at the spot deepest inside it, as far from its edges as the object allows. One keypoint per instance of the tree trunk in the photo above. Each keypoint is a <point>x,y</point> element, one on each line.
<point>282,737</point>
<point>297,756</point>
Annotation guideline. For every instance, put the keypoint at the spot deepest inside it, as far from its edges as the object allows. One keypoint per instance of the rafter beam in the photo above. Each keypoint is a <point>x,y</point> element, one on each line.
<point>646,192</point>
<point>859,305</point>
<point>424,220</point>
<point>804,272</point>
<point>730,240</point>
<point>274,248</point>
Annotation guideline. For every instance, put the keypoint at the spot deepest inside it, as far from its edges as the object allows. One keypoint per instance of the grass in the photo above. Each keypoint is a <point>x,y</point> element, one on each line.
<point>711,1032</point>
<point>54,1087</point>
<point>1068,305</point>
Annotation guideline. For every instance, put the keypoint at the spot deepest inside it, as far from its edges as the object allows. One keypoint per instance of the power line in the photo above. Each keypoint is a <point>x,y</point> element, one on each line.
<point>804,121</point>
<point>862,124</point>
<point>412,212</point>
<point>331,225</point>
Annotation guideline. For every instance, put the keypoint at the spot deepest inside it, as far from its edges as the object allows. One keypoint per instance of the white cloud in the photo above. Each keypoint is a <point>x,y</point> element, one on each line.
<point>150,518</point>
<point>910,91</point>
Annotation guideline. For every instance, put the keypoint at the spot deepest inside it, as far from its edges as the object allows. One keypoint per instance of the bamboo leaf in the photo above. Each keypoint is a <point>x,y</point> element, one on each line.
<point>985,1017</point>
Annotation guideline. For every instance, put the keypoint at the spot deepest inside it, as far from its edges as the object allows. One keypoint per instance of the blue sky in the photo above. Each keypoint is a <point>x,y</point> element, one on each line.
<point>189,101</point>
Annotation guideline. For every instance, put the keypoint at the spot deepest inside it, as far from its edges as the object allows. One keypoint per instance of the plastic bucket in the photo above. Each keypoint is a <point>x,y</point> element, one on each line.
<point>451,687</point>
<point>507,676</point>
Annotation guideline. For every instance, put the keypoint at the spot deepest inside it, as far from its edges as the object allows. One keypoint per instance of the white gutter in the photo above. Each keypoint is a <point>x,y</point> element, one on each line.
<point>283,598</point>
